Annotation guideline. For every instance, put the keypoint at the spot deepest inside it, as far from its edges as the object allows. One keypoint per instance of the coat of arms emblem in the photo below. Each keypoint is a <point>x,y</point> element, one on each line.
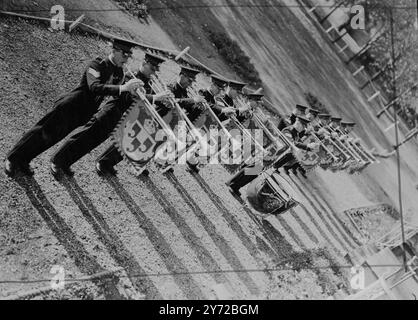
<point>138,135</point>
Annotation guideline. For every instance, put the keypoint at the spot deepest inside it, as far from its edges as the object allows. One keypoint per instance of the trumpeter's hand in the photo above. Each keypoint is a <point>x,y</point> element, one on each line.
<point>313,145</point>
<point>163,95</point>
<point>131,86</point>
<point>228,110</point>
<point>198,99</point>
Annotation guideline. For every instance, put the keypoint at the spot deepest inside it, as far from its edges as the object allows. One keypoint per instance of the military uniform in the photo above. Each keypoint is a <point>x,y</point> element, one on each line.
<point>210,98</point>
<point>289,161</point>
<point>248,172</point>
<point>238,87</point>
<point>101,78</point>
<point>98,129</point>
<point>179,92</point>
<point>111,157</point>
<point>284,123</point>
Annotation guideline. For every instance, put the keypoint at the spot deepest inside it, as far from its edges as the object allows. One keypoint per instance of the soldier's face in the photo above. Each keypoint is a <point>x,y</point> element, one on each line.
<point>298,125</point>
<point>253,104</point>
<point>185,81</point>
<point>232,93</point>
<point>148,69</point>
<point>120,57</point>
<point>215,90</point>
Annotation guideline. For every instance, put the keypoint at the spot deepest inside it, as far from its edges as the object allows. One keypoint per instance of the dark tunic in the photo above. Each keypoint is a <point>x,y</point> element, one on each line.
<point>285,122</point>
<point>179,93</point>
<point>101,78</point>
<point>98,129</point>
<point>212,102</point>
<point>296,137</point>
<point>230,103</point>
<point>289,161</point>
<point>112,157</point>
<point>242,178</point>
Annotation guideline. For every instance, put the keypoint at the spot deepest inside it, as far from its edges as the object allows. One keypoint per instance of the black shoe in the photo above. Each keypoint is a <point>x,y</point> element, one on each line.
<point>234,192</point>
<point>105,169</point>
<point>167,169</point>
<point>303,173</point>
<point>146,172</point>
<point>143,173</point>
<point>58,172</point>
<point>193,167</point>
<point>13,169</point>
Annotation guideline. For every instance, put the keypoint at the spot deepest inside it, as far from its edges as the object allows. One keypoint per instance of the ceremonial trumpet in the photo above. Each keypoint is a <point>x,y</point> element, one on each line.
<point>335,144</point>
<point>358,150</point>
<point>323,146</point>
<point>243,104</point>
<point>364,150</point>
<point>193,93</point>
<point>353,149</point>
<point>150,107</point>
<point>349,150</point>
<point>158,86</point>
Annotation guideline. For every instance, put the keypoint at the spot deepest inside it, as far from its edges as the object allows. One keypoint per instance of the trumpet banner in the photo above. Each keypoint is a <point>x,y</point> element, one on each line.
<point>272,143</point>
<point>169,152</point>
<point>240,154</point>
<point>138,135</point>
<point>328,161</point>
<point>216,147</point>
<point>309,160</point>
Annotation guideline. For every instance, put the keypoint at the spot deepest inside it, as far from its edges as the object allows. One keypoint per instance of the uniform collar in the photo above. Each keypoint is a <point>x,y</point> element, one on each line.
<point>111,61</point>
<point>179,84</point>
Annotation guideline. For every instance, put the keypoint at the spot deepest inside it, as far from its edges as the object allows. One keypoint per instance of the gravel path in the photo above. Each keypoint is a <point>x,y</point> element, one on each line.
<point>174,236</point>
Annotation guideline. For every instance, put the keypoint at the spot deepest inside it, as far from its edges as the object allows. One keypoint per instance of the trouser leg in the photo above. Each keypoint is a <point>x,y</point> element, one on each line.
<point>284,160</point>
<point>87,138</point>
<point>51,129</point>
<point>291,165</point>
<point>241,179</point>
<point>111,157</point>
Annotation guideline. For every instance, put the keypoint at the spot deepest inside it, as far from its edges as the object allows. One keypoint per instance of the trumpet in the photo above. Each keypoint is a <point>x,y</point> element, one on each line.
<point>346,147</point>
<point>193,93</point>
<point>264,128</point>
<point>364,150</point>
<point>242,104</point>
<point>336,146</point>
<point>313,134</point>
<point>242,128</point>
<point>361,152</point>
<point>323,146</point>
<point>353,148</point>
<point>158,86</point>
<point>150,107</point>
